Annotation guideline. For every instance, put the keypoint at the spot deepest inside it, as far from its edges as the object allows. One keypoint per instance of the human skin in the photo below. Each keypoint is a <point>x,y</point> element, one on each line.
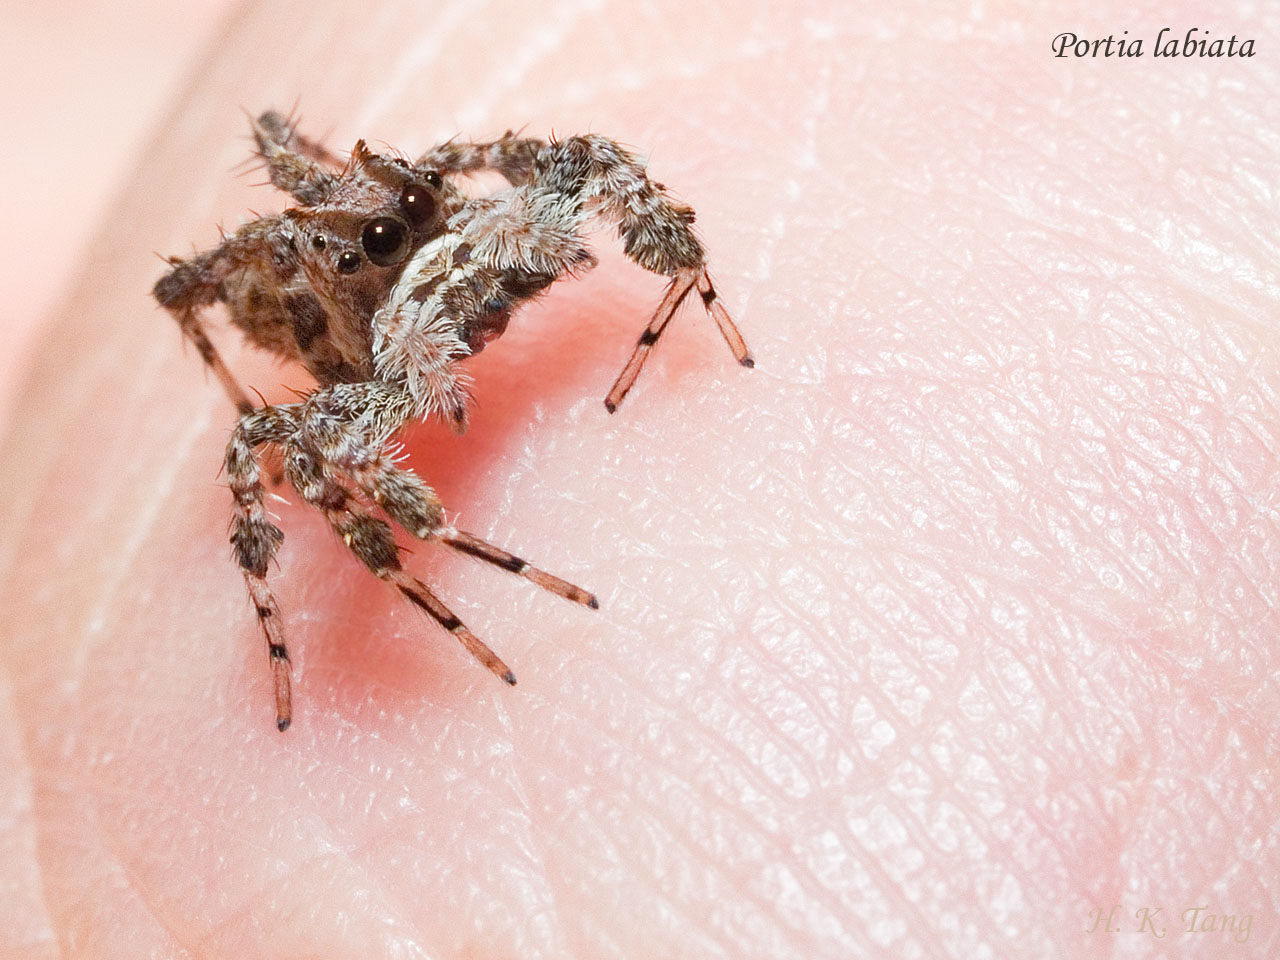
<point>137,51</point>
<point>950,623</point>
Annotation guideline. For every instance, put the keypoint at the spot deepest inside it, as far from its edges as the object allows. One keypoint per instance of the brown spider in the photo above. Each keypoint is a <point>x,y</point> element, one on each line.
<point>379,282</point>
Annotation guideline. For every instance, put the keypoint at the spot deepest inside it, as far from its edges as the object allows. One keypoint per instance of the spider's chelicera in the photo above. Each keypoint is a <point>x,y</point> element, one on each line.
<point>380,281</point>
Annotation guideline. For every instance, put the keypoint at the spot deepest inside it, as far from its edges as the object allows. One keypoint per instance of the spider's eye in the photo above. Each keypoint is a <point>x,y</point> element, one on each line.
<point>417,204</point>
<point>433,179</point>
<point>385,240</point>
<point>348,262</point>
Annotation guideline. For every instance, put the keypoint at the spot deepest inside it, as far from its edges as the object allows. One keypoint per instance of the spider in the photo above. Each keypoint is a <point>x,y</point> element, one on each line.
<point>380,281</point>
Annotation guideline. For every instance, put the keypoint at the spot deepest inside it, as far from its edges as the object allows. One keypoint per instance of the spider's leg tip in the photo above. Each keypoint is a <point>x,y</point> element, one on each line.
<point>592,602</point>
<point>282,723</point>
<point>748,361</point>
<point>509,677</point>
<point>610,406</point>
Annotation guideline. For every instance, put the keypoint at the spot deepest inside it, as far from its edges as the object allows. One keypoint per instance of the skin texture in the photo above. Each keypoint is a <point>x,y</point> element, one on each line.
<point>951,622</point>
<point>137,52</point>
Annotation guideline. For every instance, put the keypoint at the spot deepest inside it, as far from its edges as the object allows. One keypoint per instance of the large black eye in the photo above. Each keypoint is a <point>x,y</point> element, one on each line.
<point>385,241</point>
<point>418,205</point>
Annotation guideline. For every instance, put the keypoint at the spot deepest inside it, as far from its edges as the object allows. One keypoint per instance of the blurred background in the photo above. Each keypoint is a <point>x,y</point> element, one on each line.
<point>86,84</point>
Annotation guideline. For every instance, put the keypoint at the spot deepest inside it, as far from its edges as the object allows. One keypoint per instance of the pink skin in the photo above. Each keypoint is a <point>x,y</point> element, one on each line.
<point>950,623</point>
<point>72,141</point>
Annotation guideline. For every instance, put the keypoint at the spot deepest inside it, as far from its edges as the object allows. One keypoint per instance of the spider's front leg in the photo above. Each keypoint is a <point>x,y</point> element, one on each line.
<point>335,456</point>
<point>654,229</point>
<point>255,539</point>
<point>371,540</point>
<point>340,444</point>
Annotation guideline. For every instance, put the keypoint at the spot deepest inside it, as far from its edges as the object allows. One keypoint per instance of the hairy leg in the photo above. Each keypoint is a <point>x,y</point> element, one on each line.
<point>295,164</point>
<point>655,233</point>
<point>333,441</point>
<point>255,539</point>
<point>372,542</point>
<point>509,155</point>
<point>255,255</point>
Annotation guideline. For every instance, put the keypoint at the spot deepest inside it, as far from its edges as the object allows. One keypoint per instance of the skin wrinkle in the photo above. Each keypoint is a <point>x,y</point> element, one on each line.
<point>560,934</point>
<point>405,900</point>
<point>937,774</point>
<point>132,545</point>
<point>748,766</point>
<point>398,915</point>
<point>370,859</point>
<point>675,777</point>
<point>170,925</point>
<point>330,848</point>
<point>79,932</point>
<point>1153,471</point>
<point>674,902</point>
<point>210,943</point>
<point>713,865</point>
<point>24,889</point>
<point>780,848</point>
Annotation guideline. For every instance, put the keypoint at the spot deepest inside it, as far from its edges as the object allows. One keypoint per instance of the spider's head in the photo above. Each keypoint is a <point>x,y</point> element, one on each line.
<point>379,211</point>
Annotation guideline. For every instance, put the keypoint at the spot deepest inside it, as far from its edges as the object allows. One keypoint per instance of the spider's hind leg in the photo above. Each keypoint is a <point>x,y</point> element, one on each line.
<point>655,230</point>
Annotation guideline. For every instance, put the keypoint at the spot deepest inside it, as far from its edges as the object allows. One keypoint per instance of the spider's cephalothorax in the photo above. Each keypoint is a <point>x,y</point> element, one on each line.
<point>380,281</point>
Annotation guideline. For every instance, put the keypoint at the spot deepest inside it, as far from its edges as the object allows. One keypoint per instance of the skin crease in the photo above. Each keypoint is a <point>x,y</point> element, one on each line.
<point>948,624</point>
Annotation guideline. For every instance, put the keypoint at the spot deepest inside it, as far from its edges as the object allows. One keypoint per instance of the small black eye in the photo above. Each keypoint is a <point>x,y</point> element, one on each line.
<point>385,240</point>
<point>318,242</point>
<point>418,204</point>
<point>349,262</point>
<point>433,179</point>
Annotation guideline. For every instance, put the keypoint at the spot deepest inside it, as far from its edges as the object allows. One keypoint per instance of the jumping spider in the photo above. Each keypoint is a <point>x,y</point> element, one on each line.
<point>380,281</point>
